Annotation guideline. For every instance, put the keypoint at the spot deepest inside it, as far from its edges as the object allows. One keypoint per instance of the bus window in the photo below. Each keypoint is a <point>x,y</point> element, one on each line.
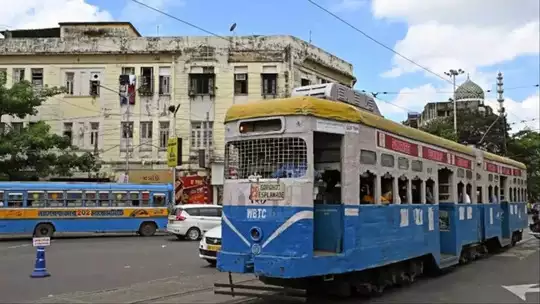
<point>90,199</point>
<point>74,199</point>
<point>159,199</point>
<point>120,199</point>
<point>36,199</point>
<point>104,199</point>
<point>1,199</point>
<point>15,200</point>
<point>134,197</point>
<point>55,199</point>
<point>145,199</point>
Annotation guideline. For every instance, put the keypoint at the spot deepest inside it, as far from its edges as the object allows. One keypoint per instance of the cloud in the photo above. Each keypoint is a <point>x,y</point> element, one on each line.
<point>469,34</point>
<point>521,115</point>
<point>30,14</point>
<point>142,15</point>
<point>347,5</point>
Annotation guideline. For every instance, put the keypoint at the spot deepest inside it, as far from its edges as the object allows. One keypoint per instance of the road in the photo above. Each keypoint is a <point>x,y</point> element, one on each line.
<point>162,269</point>
<point>83,268</point>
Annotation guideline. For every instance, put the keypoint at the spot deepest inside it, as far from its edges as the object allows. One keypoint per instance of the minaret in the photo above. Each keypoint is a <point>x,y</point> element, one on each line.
<point>500,100</point>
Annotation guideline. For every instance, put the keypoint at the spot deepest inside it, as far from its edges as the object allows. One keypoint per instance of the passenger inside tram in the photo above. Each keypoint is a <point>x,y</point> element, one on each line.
<point>365,195</point>
<point>387,184</point>
<point>430,199</point>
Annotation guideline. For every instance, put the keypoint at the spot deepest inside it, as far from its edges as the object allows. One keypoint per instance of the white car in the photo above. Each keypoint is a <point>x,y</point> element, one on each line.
<point>210,245</point>
<point>192,221</point>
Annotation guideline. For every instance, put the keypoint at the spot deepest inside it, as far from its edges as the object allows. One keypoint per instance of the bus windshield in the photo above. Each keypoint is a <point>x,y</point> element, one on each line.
<point>284,157</point>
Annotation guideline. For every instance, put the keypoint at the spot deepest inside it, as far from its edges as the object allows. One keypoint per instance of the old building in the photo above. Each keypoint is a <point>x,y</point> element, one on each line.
<point>469,96</point>
<point>120,86</point>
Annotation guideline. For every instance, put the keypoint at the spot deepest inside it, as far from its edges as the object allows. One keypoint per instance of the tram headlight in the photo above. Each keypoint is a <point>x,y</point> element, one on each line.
<point>256,234</point>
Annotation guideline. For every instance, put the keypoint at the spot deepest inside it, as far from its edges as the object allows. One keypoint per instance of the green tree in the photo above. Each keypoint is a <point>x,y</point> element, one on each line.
<point>524,146</point>
<point>33,151</point>
<point>472,126</point>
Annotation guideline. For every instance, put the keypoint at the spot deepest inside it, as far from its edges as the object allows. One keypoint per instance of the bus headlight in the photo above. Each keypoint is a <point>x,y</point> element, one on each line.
<point>256,234</point>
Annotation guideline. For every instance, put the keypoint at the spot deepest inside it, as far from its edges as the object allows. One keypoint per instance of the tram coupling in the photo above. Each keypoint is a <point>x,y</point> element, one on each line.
<point>287,295</point>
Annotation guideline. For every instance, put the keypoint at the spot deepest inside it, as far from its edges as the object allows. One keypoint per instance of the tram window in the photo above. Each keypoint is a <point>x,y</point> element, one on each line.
<point>263,125</point>
<point>460,173</point>
<point>159,200</point>
<point>367,188</point>
<point>490,177</point>
<point>55,199</point>
<point>430,187</point>
<point>403,189</point>
<point>145,199</point>
<point>368,157</point>
<point>403,163</point>
<point>387,187</point>
<point>479,195</point>
<point>15,200</point>
<point>387,160</point>
<point>417,166</point>
<point>445,186</point>
<point>90,199</point>
<point>134,196</point>
<point>469,174</point>
<point>36,199</point>
<point>416,191</point>
<point>74,199</point>
<point>468,194</point>
<point>104,199</point>
<point>120,199</point>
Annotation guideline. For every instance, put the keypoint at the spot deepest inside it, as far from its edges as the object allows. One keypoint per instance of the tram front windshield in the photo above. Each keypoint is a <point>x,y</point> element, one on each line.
<point>266,158</point>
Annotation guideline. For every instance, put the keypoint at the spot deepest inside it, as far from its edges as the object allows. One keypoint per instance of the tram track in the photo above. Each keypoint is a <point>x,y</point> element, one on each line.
<point>159,299</point>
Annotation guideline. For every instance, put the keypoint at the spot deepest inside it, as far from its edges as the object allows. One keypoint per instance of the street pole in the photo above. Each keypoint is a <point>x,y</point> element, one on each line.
<point>452,74</point>
<point>174,110</point>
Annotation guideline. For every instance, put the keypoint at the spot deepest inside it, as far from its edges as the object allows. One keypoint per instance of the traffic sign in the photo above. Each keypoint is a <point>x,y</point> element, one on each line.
<point>41,241</point>
<point>174,152</point>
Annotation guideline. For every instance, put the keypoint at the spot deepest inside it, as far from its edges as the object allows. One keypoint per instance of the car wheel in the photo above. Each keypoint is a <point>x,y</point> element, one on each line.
<point>193,234</point>
<point>212,262</point>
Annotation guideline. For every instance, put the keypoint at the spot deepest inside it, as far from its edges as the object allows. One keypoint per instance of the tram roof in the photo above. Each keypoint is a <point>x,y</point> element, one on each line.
<point>327,109</point>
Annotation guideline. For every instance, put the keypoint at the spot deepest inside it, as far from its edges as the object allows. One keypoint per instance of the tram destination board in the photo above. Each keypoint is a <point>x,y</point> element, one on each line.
<point>267,191</point>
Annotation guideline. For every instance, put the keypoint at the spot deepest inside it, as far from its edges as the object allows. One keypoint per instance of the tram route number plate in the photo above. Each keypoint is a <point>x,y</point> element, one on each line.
<point>41,241</point>
<point>267,191</point>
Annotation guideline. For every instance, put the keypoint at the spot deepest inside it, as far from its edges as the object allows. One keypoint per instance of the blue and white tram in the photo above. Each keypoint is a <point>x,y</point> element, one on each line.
<point>319,192</point>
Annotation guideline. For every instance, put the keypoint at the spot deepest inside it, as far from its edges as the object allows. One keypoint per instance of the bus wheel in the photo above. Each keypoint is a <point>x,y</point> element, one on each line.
<point>44,230</point>
<point>147,229</point>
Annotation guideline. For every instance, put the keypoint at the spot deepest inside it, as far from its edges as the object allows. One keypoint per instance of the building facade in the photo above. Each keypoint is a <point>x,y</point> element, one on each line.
<point>470,97</point>
<point>120,86</point>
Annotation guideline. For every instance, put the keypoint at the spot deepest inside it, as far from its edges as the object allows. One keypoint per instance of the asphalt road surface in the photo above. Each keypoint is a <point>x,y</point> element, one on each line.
<point>91,266</point>
<point>162,269</point>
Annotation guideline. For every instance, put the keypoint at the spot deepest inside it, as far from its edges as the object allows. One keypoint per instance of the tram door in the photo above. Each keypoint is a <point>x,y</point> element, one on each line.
<point>328,206</point>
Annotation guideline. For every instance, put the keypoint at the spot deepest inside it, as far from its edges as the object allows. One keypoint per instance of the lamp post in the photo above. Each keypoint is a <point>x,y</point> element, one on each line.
<point>452,74</point>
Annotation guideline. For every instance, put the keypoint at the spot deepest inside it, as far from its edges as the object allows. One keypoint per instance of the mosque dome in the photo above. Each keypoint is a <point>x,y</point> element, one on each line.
<point>469,90</point>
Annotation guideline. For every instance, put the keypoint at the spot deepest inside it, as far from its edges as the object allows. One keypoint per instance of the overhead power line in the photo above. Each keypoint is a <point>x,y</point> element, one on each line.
<point>382,44</point>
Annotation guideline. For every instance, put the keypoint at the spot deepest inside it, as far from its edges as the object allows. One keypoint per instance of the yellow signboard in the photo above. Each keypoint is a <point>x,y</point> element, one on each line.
<point>172,152</point>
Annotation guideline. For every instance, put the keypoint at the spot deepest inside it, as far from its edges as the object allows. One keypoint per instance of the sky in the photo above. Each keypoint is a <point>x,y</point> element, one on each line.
<point>481,37</point>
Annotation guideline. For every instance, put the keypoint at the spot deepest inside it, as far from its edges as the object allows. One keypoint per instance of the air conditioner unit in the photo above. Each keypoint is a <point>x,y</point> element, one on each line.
<point>240,77</point>
<point>95,76</point>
